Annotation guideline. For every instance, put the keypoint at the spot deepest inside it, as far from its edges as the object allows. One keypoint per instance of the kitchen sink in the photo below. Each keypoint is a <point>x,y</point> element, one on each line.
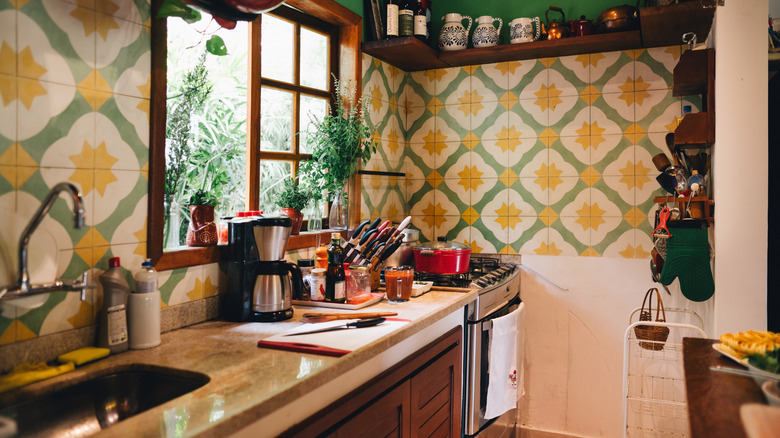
<point>102,400</point>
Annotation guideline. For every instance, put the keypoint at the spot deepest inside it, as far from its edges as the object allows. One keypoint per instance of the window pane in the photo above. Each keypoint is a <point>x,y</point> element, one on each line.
<point>276,53</point>
<point>275,120</point>
<point>206,116</point>
<point>314,59</point>
<point>313,109</point>
<point>272,174</point>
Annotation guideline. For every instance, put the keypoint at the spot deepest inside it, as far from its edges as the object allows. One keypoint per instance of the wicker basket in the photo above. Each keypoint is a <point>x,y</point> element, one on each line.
<point>656,335</point>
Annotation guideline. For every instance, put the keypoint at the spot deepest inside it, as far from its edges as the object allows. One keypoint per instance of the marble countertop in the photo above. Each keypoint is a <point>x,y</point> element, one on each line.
<point>248,383</point>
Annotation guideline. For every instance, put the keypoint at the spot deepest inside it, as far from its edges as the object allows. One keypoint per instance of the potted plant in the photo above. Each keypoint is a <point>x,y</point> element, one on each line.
<point>341,140</point>
<point>293,198</point>
<point>202,230</point>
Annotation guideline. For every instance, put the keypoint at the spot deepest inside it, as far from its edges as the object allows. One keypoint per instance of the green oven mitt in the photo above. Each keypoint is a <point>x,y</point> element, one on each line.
<point>688,257</point>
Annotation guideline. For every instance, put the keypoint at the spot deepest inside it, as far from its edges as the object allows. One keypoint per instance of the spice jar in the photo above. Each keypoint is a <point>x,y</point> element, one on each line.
<point>316,281</point>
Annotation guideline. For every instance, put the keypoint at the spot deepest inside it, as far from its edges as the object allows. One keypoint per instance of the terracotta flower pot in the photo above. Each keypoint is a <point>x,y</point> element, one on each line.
<point>202,230</point>
<point>297,219</point>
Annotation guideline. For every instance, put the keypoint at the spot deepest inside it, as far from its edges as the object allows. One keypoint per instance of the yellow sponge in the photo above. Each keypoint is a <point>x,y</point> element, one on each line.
<point>83,355</point>
<point>26,373</point>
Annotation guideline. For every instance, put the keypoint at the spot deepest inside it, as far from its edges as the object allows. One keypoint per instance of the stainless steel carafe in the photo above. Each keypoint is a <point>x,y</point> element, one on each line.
<point>260,283</point>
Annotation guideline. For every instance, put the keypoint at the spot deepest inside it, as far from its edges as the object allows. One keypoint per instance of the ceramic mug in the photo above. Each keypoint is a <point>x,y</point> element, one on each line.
<point>486,34</point>
<point>521,30</point>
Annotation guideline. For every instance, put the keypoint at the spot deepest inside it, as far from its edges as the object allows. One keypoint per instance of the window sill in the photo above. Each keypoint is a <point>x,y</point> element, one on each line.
<point>193,256</point>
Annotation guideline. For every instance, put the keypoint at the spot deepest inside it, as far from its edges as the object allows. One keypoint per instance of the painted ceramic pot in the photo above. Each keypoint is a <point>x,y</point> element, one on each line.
<point>486,34</point>
<point>453,35</point>
<point>202,230</point>
<point>297,219</point>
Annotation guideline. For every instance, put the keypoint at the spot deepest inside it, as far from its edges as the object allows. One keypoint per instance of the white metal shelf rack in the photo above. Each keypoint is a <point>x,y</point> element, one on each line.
<point>653,380</point>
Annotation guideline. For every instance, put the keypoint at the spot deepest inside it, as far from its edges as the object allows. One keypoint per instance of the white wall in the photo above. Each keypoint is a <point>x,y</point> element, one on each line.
<point>577,312</point>
<point>739,168</point>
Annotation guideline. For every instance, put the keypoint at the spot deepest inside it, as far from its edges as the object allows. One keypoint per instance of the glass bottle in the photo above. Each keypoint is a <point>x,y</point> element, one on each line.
<point>335,286</point>
<point>405,19</point>
<point>337,219</point>
<point>391,19</point>
<point>420,22</point>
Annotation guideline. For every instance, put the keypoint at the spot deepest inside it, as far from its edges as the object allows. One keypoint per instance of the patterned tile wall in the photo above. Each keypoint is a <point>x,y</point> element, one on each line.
<point>545,156</point>
<point>75,83</point>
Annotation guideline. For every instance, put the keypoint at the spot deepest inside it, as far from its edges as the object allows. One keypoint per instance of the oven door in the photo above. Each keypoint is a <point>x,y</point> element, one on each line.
<point>477,374</point>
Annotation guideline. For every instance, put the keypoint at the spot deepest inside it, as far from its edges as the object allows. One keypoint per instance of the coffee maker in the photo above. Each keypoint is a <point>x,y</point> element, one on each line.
<point>260,284</point>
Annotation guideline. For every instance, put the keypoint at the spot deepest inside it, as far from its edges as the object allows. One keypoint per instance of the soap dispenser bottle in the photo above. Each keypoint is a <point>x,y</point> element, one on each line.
<point>143,309</point>
<point>112,330</point>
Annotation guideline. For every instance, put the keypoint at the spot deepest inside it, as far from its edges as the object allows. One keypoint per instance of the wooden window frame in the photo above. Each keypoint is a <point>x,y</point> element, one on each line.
<point>350,30</point>
<point>295,156</point>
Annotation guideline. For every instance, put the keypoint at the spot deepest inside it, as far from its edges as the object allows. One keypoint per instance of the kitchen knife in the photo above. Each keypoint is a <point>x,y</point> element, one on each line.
<point>350,245</point>
<point>359,248</point>
<point>370,322</point>
<point>379,237</point>
<point>373,226</point>
<point>376,249</point>
<point>387,252</point>
<point>402,226</point>
<point>356,234</point>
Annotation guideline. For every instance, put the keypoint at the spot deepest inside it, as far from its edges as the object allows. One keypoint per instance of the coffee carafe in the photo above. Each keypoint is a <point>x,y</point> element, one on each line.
<point>261,285</point>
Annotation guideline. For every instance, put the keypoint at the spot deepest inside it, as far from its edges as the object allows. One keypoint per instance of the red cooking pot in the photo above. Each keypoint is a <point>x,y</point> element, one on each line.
<point>442,257</point>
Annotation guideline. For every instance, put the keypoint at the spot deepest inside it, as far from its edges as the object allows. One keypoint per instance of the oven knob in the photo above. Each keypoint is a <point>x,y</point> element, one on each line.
<point>481,282</point>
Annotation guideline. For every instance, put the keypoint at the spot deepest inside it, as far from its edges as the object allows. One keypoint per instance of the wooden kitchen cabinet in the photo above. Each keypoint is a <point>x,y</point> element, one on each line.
<point>419,397</point>
<point>695,74</point>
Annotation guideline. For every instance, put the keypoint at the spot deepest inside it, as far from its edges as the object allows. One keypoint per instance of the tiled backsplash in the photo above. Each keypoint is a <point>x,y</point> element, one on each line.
<point>545,156</point>
<point>548,156</point>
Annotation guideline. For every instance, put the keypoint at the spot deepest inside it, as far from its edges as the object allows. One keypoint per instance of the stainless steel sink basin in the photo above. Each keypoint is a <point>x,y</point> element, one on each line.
<point>103,400</point>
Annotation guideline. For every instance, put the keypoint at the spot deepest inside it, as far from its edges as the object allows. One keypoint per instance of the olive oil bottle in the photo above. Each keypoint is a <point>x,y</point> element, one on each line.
<point>335,285</point>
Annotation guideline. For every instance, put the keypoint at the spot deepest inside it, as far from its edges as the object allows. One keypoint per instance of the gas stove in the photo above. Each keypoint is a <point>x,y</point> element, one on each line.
<point>484,271</point>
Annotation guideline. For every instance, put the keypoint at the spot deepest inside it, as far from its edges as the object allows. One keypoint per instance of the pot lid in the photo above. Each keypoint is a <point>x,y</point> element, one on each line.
<point>442,244</point>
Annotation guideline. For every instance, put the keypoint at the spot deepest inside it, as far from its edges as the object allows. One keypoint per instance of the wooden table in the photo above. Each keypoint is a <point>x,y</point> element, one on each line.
<point>714,398</point>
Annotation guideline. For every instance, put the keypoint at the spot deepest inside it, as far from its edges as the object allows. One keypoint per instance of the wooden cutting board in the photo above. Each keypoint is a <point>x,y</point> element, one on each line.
<point>334,343</point>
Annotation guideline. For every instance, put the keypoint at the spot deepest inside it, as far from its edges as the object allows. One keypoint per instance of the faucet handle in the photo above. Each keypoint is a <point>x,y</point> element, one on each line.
<point>82,284</point>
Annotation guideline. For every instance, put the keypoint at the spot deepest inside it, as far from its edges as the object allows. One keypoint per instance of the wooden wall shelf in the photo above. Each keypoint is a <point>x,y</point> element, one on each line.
<point>407,53</point>
<point>660,26</point>
<point>704,203</point>
<point>606,42</point>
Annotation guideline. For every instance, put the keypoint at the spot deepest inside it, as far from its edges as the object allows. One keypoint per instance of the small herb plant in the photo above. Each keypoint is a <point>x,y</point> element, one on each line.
<point>293,195</point>
<point>340,141</point>
<point>202,197</point>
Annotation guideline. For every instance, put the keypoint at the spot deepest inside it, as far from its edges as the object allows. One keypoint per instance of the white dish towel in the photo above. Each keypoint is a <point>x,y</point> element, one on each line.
<point>505,385</point>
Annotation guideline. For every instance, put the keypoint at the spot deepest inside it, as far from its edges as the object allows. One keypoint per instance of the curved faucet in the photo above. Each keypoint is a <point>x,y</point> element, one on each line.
<point>23,286</point>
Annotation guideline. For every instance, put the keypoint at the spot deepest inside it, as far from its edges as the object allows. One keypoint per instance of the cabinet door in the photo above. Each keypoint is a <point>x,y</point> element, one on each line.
<point>387,416</point>
<point>436,397</point>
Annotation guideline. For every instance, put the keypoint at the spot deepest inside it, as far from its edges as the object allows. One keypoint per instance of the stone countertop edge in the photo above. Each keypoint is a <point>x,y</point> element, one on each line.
<point>252,382</point>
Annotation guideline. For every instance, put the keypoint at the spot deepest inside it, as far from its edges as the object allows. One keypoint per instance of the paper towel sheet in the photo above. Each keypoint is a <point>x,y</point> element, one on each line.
<point>505,385</point>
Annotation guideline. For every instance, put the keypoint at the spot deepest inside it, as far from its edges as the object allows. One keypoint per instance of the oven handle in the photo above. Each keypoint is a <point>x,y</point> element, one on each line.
<point>487,322</point>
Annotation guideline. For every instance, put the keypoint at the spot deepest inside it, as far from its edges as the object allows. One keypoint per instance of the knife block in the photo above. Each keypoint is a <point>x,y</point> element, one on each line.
<point>375,279</point>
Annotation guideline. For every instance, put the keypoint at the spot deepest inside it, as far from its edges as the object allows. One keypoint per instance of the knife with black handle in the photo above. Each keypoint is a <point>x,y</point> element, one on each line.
<point>368,322</point>
<point>349,247</point>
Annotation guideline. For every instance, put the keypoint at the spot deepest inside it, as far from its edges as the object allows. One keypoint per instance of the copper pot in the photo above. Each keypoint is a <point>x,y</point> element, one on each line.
<point>555,29</point>
<point>618,18</point>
